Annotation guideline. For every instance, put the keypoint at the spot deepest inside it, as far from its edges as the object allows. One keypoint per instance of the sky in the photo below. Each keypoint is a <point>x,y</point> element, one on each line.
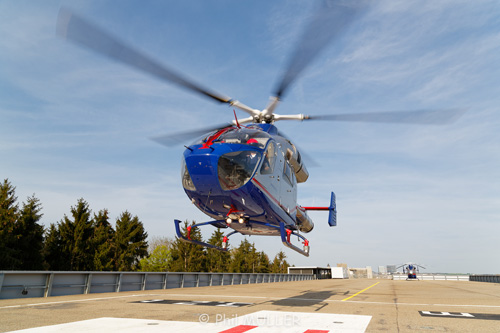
<point>74,124</point>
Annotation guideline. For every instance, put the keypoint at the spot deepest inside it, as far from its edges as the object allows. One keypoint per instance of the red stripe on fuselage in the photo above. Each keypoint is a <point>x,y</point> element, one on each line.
<point>266,191</point>
<point>256,182</point>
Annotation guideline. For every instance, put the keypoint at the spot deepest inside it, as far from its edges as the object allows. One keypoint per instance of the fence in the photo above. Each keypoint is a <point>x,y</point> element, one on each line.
<point>21,284</point>
<point>436,277</point>
<point>485,278</point>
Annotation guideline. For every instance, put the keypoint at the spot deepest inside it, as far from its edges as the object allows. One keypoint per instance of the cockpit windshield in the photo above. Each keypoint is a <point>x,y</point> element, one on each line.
<point>245,136</point>
<point>236,168</point>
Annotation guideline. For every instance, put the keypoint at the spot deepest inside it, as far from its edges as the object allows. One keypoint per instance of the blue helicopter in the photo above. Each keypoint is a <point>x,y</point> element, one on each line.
<point>411,269</point>
<point>245,178</point>
<point>244,174</point>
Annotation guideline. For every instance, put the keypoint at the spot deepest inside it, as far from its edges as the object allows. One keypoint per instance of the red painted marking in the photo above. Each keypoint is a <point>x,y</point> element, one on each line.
<point>316,331</point>
<point>240,329</point>
<point>316,208</point>
<point>211,139</point>
<point>189,232</point>
<point>236,118</point>
<point>232,210</point>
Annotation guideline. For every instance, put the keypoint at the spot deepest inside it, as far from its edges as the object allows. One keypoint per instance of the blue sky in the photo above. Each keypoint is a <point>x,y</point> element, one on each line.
<point>76,125</point>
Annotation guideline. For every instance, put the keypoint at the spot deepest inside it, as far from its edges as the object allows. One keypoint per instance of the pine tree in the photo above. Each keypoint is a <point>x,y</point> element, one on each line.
<point>103,245</point>
<point>217,261</point>
<point>280,265</point>
<point>76,235</point>
<point>188,257</point>
<point>65,236</point>
<point>30,235</point>
<point>263,264</point>
<point>130,242</point>
<point>9,255</point>
<point>244,258</point>
<point>54,255</point>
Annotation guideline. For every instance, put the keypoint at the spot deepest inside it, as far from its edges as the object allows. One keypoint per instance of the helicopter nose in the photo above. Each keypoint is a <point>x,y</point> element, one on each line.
<point>203,171</point>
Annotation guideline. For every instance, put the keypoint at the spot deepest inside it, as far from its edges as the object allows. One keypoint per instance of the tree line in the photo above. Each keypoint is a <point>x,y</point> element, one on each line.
<point>179,256</point>
<point>87,241</point>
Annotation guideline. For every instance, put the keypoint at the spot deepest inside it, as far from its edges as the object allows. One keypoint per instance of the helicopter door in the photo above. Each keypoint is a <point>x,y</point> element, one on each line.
<point>288,199</point>
<point>270,170</point>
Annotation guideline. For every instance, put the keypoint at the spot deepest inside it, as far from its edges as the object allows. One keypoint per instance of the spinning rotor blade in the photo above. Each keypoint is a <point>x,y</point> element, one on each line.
<point>329,21</point>
<point>181,137</point>
<point>178,138</point>
<point>420,117</point>
<point>76,29</point>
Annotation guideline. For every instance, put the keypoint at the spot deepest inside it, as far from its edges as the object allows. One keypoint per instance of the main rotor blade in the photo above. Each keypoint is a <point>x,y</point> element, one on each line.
<point>181,137</point>
<point>421,117</point>
<point>331,19</point>
<point>76,29</point>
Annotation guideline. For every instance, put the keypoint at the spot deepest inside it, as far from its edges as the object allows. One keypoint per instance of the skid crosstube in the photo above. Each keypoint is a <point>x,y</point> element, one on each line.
<point>194,241</point>
<point>285,238</point>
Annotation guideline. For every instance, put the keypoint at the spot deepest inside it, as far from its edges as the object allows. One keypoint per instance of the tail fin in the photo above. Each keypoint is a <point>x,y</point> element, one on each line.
<point>332,217</point>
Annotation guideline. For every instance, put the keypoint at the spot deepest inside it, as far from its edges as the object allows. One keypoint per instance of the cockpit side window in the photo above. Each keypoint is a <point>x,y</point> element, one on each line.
<point>269,159</point>
<point>287,174</point>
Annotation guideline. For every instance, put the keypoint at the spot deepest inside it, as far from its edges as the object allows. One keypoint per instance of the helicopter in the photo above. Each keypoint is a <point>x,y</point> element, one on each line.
<point>244,174</point>
<point>411,269</point>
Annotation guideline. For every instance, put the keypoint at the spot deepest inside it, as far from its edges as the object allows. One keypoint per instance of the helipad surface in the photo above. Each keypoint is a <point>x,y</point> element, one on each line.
<point>308,306</point>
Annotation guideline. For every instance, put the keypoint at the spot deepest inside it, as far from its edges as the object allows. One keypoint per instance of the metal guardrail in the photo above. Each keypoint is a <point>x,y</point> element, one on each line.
<point>485,278</point>
<point>434,277</point>
<point>24,284</point>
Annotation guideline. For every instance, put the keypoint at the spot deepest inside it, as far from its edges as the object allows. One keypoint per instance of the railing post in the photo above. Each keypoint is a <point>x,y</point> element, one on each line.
<point>48,285</point>
<point>165,278</point>
<point>88,283</point>
<point>119,282</point>
<point>144,281</point>
<point>1,281</point>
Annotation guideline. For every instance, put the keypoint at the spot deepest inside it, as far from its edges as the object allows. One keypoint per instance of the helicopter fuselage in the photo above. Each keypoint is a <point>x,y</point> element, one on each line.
<point>246,179</point>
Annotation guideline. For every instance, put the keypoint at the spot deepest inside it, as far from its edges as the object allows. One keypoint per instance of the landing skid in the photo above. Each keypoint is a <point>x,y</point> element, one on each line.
<point>285,238</point>
<point>197,242</point>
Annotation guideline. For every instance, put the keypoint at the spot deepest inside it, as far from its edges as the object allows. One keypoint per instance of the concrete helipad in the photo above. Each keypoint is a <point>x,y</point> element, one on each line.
<point>308,306</point>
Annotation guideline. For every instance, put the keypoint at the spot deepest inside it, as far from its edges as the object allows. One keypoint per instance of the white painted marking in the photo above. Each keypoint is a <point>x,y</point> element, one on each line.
<point>334,300</point>
<point>256,297</point>
<point>447,314</point>
<point>72,301</point>
<point>266,321</point>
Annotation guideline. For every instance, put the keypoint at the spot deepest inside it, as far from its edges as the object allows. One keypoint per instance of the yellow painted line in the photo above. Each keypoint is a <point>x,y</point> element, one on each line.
<point>373,285</point>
